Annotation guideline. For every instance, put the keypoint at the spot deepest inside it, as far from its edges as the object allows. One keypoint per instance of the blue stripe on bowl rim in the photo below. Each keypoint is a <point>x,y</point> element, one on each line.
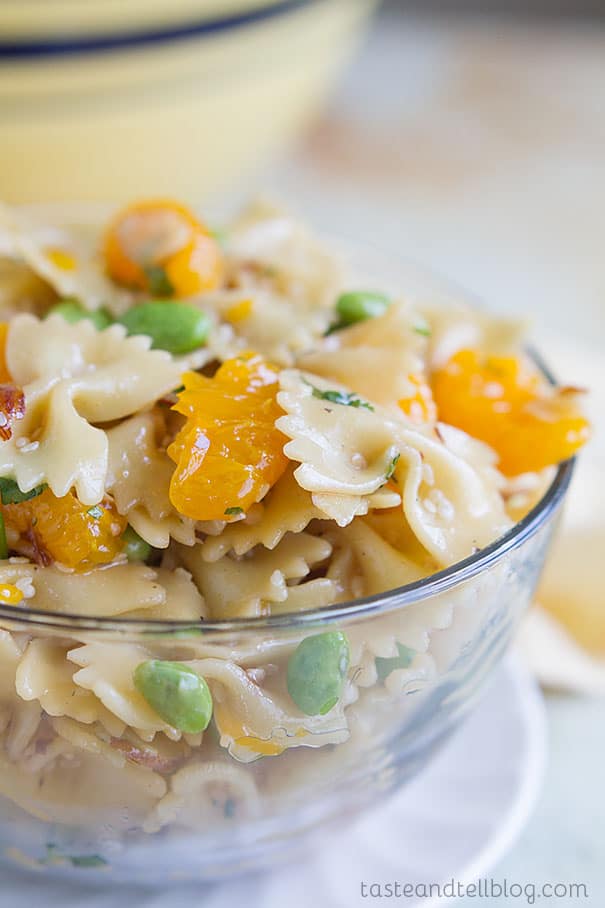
<point>109,42</point>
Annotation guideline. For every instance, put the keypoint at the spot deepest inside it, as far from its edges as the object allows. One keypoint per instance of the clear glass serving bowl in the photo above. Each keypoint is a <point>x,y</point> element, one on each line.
<point>104,813</point>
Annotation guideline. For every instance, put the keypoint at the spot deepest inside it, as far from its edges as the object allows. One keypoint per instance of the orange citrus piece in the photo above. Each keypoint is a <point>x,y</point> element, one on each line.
<point>505,402</point>
<point>159,246</point>
<point>228,453</point>
<point>65,530</point>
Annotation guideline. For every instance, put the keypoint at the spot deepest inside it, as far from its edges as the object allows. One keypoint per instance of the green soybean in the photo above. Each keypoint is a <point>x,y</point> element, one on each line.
<point>73,312</point>
<point>359,305</point>
<point>316,672</point>
<point>135,548</point>
<point>176,693</point>
<point>173,326</point>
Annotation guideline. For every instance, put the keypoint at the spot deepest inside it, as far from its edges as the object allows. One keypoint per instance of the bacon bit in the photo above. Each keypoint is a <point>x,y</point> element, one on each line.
<point>144,756</point>
<point>12,406</point>
<point>39,555</point>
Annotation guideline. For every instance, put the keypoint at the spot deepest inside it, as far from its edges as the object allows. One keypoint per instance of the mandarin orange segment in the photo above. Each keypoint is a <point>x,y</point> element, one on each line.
<point>160,246</point>
<point>505,402</point>
<point>65,530</point>
<point>419,406</point>
<point>229,453</point>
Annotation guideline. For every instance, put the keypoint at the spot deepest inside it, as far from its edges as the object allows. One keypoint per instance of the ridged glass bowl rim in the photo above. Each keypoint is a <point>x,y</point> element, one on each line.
<point>380,603</point>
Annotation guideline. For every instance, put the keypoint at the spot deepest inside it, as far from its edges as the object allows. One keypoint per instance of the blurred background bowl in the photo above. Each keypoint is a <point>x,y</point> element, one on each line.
<point>97,105</point>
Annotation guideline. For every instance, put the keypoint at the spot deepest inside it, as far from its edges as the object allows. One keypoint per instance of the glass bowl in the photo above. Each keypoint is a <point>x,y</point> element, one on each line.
<point>73,803</point>
<point>76,799</point>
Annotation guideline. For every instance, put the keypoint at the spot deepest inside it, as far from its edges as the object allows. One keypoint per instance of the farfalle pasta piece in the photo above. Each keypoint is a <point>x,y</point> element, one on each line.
<point>259,319</point>
<point>74,376</point>
<point>107,670</point>
<point>346,452</point>
<point>267,244</point>
<point>183,601</point>
<point>57,794</point>
<point>68,260</point>
<point>457,326</point>
<point>252,724</point>
<point>45,674</point>
<point>107,592</point>
<point>380,565</point>
<point>449,505</point>
<point>243,588</point>
<point>287,508</point>
<point>302,597</point>
<point>138,478</point>
<point>377,357</point>
<point>202,793</point>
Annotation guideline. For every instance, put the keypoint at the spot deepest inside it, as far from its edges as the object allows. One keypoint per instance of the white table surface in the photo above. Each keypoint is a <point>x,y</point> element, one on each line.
<point>480,150</point>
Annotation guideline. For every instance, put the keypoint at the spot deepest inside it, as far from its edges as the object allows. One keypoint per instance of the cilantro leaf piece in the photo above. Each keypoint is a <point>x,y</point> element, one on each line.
<point>384,667</point>
<point>392,466</point>
<point>10,493</point>
<point>159,282</point>
<point>344,398</point>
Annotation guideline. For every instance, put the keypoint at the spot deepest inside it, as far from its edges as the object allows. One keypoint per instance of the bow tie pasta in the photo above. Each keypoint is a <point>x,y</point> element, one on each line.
<point>201,444</point>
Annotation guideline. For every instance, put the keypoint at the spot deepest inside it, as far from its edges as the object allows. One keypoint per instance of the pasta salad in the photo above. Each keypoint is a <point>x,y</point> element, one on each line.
<point>202,426</point>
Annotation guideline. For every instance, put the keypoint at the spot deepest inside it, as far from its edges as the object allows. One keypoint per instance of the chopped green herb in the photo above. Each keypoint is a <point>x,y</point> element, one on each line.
<point>384,667</point>
<point>10,493</point>
<point>231,512</point>
<point>54,856</point>
<point>220,234</point>
<point>159,282</point>
<point>344,398</point>
<point>88,860</point>
<point>392,466</point>
<point>96,512</point>
<point>424,330</point>
<point>3,541</point>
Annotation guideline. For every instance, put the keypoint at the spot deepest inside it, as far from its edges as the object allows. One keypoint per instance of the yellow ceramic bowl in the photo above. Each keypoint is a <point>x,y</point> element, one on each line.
<point>182,112</point>
<point>40,19</point>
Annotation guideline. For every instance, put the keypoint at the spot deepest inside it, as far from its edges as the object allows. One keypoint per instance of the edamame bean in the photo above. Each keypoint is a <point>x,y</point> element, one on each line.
<point>176,693</point>
<point>173,326</point>
<point>316,672</point>
<point>357,306</point>
<point>73,312</point>
<point>135,548</point>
